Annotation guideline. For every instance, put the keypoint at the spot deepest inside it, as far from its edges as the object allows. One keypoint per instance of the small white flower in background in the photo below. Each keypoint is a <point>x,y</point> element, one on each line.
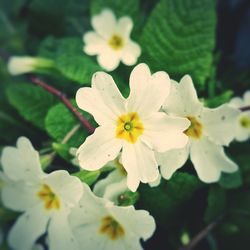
<point>98,224</point>
<point>210,130</point>
<point>110,40</point>
<point>132,125</point>
<point>18,65</point>
<point>243,120</point>
<point>114,184</point>
<point>45,200</point>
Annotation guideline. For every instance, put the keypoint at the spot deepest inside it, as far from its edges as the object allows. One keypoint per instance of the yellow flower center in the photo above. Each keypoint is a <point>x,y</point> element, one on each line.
<point>49,198</point>
<point>116,42</point>
<point>111,227</point>
<point>245,122</point>
<point>129,127</point>
<point>195,128</point>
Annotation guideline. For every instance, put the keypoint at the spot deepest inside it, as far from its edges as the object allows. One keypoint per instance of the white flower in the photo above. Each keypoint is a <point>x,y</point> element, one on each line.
<point>25,64</point>
<point>133,124</point>
<point>243,121</point>
<point>45,200</point>
<point>210,129</point>
<point>110,40</point>
<point>99,224</point>
<point>114,184</point>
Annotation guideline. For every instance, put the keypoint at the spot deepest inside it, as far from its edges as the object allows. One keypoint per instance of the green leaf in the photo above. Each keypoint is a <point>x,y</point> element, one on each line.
<point>51,14</point>
<point>89,177</point>
<point>32,102</point>
<point>60,121</point>
<point>62,150</point>
<point>216,203</point>
<point>230,180</point>
<point>71,61</point>
<point>219,99</point>
<point>168,199</point>
<point>120,8</point>
<point>179,37</point>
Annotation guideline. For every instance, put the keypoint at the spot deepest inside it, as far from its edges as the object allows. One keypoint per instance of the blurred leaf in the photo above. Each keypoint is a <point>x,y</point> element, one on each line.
<point>230,180</point>
<point>179,37</point>
<point>71,61</point>
<point>88,177</point>
<point>47,17</point>
<point>32,102</point>
<point>219,99</point>
<point>120,8</point>
<point>216,204</point>
<point>60,121</point>
<point>169,197</point>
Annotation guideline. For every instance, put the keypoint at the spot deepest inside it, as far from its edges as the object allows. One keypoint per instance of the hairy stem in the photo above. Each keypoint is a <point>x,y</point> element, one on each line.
<point>245,108</point>
<point>65,100</point>
<point>201,235</point>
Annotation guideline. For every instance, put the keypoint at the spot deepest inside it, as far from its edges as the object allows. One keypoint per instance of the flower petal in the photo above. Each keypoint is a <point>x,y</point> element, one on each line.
<point>236,102</point>
<point>109,59</point>
<point>172,160</point>
<point>183,99</point>
<point>219,123</point>
<point>60,235</point>
<point>99,148</point>
<point>138,222</point>
<point>19,196</point>
<point>104,23</point>
<point>94,44</point>
<point>28,228</point>
<point>67,187</point>
<point>104,100</point>
<point>22,162</point>
<point>242,133</point>
<point>124,26</point>
<point>246,98</point>
<point>162,132</point>
<point>147,93</point>
<point>111,186</point>
<point>140,164</point>
<point>209,160</point>
<point>130,53</point>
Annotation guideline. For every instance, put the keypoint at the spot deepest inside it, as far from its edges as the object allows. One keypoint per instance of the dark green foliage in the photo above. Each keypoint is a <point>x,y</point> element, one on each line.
<point>179,38</point>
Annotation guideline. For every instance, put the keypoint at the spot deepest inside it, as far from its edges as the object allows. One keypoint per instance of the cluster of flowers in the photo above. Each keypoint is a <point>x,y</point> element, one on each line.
<point>146,136</point>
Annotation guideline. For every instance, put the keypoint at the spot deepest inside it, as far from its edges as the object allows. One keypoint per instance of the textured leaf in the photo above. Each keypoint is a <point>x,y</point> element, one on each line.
<point>168,199</point>
<point>32,102</point>
<point>60,121</point>
<point>216,204</point>
<point>179,37</point>
<point>71,61</point>
<point>120,8</point>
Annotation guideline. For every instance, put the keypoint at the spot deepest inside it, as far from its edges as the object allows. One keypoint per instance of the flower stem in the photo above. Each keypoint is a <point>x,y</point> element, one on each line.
<point>245,108</point>
<point>201,235</point>
<point>65,100</point>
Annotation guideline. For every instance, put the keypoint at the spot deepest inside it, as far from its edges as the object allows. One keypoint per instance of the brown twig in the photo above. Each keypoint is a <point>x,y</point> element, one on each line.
<point>245,108</point>
<point>201,235</point>
<point>64,99</point>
